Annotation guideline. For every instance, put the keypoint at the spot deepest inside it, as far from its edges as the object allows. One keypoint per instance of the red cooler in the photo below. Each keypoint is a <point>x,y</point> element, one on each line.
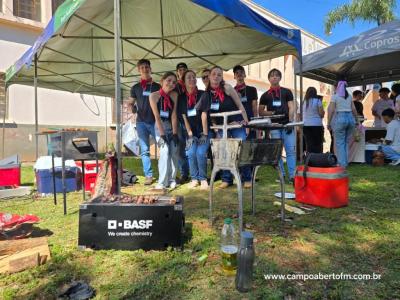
<point>324,187</point>
<point>10,175</point>
<point>90,173</point>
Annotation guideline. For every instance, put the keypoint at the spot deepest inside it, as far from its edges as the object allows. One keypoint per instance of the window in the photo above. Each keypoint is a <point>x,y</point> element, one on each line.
<point>29,9</point>
<point>55,4</point>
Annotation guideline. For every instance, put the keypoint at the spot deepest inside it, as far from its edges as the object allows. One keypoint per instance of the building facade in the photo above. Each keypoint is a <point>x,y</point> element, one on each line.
<point>21,22</point>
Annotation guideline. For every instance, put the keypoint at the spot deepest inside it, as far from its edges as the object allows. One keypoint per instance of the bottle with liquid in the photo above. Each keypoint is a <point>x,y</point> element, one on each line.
<point>229,248</point>
<point>246,255</point>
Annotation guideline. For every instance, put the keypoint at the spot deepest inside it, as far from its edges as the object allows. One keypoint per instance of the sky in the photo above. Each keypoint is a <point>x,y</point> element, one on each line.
<point>310,14</point>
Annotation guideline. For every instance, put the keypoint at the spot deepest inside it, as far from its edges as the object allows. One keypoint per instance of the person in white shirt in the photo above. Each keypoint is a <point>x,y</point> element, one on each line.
<point>391,149</point>
<point>342,107</point>
<point>379,106</point>
<point>395,96</point>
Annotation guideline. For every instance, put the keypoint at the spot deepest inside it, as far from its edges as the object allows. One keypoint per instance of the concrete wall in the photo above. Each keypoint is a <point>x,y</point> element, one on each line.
<point>20,139</point>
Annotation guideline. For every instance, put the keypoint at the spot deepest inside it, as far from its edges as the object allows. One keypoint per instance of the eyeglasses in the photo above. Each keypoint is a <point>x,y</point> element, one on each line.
<point>204,77</point>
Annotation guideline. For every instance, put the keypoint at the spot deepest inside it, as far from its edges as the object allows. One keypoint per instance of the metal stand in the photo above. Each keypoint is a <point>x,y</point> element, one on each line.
<point>227,156</point>
<point>229,148</point>
<point>231,154</point>
<point>54,179</point>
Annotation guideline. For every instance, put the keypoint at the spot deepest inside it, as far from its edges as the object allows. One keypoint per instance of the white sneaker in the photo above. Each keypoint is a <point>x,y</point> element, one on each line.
<point>173,185</point>
<point>395,162</point>
<point>193,184</point>
<point>159,187</point>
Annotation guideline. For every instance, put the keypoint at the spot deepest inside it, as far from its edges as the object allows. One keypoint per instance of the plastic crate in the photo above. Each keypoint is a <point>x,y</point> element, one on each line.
<point>10,175</point>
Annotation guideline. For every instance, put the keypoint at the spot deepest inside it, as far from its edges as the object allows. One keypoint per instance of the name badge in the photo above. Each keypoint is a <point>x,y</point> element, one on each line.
<point>192,112</point>
<point>276,102</point>
<point>243,99</point>
<point>164,114</point>
<point>146,93</point>
<point>214,105</point>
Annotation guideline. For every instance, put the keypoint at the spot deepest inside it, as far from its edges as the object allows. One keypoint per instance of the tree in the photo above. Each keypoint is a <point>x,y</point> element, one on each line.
<point>379,11</point>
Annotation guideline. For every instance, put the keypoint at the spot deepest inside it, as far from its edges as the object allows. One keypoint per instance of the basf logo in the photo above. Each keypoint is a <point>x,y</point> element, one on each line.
<point>129,224</point>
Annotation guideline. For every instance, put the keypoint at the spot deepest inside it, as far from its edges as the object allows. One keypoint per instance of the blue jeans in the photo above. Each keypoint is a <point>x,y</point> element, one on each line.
<point>289,142</point>
<point>168,161</point>
<point>183,159</point>
<point>390,153</point>
<point>342,130</point>
<point>197,155</point>
<point>245,172</point>
<point>144,130</point>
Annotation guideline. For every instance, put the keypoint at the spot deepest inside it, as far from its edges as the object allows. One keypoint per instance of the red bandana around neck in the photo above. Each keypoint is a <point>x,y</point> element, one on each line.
<point>192,97</point>
<point>275,91</point>
<point>166,100</point>
<point>240,87</point>
<point>144,82</point>
<point>218,94</point>
<point>182,84</point>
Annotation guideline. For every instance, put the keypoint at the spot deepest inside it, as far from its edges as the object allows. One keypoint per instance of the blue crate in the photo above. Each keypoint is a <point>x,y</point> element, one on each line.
<point>44,180</point>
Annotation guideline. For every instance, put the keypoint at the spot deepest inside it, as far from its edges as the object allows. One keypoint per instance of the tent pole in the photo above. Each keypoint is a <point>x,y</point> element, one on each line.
<point>106,124</point>
<point>36,111</point>
<point>117,48</point>
<point>301,110</point>
<point>295,110</point>
<point>3,138</point>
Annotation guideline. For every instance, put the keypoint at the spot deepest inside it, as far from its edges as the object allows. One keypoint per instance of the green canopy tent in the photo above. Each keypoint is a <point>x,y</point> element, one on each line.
<point>91,47</point>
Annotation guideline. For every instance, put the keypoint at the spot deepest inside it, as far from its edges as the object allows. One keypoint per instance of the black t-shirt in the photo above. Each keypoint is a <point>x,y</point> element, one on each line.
<point>210,105</point>
<point>165,114</point>
<point>180,89</point>
<point>359,108</point>
<point>144,112</point>
<point>278,104</point>
<point>184,109</point>
<point>247,96</point>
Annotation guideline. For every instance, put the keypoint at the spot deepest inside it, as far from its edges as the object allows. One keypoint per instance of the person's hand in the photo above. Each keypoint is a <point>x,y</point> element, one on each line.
<point>289,130</point>
<point>203,139</point>
<point>247,131</point>
<point>162,141</point>
<point>175,139</point>
<point>329,127</point>
<point>190,141</point>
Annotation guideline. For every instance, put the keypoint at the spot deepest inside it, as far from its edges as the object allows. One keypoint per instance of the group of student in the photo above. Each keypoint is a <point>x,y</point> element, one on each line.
<point>344,112</point>
<point>177,114</point>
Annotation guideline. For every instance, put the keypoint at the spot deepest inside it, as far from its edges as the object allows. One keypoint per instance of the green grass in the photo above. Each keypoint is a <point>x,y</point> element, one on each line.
<point>351,240</point>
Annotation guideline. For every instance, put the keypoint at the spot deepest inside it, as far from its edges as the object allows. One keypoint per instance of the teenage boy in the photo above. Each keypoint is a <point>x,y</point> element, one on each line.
<point>183,162</point>
<point>145,122</point>
<point>247,94</point>
<point>205,77</point>
<point>279,101</point>
<point>392,139</point>
<point>357,98</point>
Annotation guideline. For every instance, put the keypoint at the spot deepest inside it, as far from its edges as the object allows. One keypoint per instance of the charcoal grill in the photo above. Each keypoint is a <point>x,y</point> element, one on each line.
<point>231,154</point>
<point>72,144</point>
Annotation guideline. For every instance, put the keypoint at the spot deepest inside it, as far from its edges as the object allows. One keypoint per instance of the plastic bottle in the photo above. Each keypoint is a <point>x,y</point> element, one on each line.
<point>229,248</point>
<point>246,255</point>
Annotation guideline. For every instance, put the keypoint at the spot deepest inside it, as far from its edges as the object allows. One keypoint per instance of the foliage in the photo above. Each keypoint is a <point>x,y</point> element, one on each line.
<point>379,11</point>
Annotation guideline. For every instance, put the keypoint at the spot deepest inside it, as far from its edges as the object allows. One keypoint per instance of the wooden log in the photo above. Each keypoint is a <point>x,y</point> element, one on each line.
<point>23,263</point>
<point>18,255</point>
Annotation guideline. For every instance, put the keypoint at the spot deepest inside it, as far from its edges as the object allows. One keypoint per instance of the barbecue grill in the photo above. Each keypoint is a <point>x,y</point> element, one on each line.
<point>72,144</point>
<point>231,154</point>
